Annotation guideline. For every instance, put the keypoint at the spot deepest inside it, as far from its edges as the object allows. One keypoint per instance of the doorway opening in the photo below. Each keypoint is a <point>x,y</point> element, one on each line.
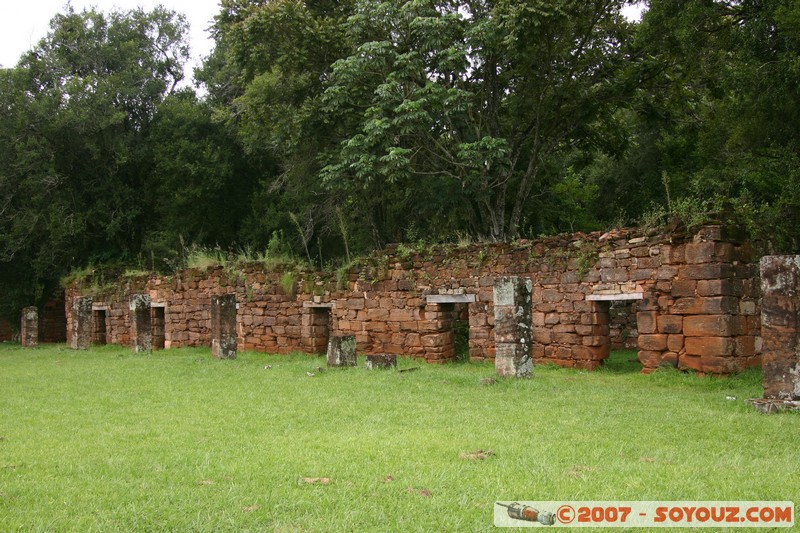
<point>158,327</point>
<point>99,327</point>
<point>317,326</point>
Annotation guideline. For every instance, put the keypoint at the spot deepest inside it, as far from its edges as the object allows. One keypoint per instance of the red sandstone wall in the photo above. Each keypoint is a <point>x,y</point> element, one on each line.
<point>6,332</point>
<point>698,308</point>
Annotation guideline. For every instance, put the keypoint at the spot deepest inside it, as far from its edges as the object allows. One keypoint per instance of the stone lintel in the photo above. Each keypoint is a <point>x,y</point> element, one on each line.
<point>319,305</point>
<point>614,297</point>
<point>451,299</point>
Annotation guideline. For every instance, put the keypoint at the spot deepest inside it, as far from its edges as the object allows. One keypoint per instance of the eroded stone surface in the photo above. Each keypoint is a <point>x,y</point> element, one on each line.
<point>223,326</point>
<point>141,328</point>
<point>81,325</point>
<point>342,351</point>
<point>381,362</point>
<point>29,328</point>
<point>780,326</point>
<point>512,327</point>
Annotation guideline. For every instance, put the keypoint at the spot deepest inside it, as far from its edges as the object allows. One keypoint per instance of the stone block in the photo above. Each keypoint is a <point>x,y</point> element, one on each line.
<point>716,287</point>
<point>709,326</point>
<point>712,305</point>
<point>647,322</point>
<point>656,342</point>
<point>512,317</point>
<point>342,351</point>
<point>223,326</point>
<point>690,362</point>
<point>682,288</point>
<point>29,327</point>
<point>614,275</point>
<point>708,271</point>
<point>141,328</point>
<point>780,326</point>
<point>81,330</point>
<point>380,362</point>
<point>670,324</point>
<point>700,252</point>
<point>722,365</point>
<point>590,353</point>
<point>710,346</point>
<point>746,346</point>
<point>650,358</point>
<point>675,343</point>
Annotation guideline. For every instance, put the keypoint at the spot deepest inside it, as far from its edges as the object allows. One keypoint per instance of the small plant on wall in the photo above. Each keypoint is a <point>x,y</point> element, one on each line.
<point>289,283</point>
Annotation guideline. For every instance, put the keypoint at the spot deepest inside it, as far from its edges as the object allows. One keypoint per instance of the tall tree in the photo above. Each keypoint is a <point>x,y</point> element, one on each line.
<point>720,122</point>
<point>264,76</point>
<point>74,114</point>
<point>473,100</point>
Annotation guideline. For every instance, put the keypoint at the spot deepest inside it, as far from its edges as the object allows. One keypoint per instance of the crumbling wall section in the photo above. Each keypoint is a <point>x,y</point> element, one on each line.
<point>695,296</point>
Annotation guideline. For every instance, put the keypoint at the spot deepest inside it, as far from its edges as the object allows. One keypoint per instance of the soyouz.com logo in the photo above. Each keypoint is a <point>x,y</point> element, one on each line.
<point>643,514</point>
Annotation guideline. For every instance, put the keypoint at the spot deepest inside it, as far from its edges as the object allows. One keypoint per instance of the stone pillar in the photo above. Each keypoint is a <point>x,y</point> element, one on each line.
<point>380,362</point>
<point>141,330</point>
<point>29,330</point>
<point>342,351</point>
<point>512,327</point>
<point>780,326</point>
<point>223,326</point>
<point>81,330</point>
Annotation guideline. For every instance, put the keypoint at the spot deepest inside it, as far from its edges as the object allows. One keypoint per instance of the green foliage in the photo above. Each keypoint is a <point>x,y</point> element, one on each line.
<point>331,128</point>
<point>588,255</point>
<point>75,117</point>
<point>470,101</point>
<point>203,258</point>
<point>289,283</point>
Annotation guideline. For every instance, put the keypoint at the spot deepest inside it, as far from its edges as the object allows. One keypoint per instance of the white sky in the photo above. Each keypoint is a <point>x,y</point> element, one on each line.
<point>24,22</point>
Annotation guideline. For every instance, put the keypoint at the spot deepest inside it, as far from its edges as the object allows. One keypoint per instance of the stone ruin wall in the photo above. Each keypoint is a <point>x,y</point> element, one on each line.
<point>52,322</point>
<point>694,300</point>
<point>6,331</point>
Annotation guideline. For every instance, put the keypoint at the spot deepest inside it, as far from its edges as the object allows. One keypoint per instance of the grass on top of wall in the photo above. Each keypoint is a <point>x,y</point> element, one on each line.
<point>106,440</point>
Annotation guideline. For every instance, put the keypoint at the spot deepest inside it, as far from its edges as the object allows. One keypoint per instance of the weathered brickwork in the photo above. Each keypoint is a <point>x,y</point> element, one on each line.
<point>694,300</point>
<point>6,331</point>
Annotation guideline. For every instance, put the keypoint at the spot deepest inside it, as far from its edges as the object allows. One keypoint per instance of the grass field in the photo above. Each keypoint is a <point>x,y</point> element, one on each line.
<point>107,440</point>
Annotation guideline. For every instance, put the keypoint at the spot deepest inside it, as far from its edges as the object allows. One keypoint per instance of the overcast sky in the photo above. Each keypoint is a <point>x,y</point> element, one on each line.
<point>24,22</point>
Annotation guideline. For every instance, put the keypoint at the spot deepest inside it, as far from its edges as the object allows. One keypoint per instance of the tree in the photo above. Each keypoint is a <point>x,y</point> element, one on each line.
<point>264,76</point>
<point>728,107</point>
<point>74,116</point>
<point>473,101</point>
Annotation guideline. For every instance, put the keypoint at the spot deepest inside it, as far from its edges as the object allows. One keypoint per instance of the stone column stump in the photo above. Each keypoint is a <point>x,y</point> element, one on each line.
<point>780,326</point>
<point>141,328</point>
<point>342,351</point>
<point>223,326</point>
<point>29,329</point>
<point>381,362</point>
<point>81,330</point>
<point>512,327</point>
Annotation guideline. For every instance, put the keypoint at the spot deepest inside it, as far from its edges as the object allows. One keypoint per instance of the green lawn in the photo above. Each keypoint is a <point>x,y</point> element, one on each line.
<point>107,440</point>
